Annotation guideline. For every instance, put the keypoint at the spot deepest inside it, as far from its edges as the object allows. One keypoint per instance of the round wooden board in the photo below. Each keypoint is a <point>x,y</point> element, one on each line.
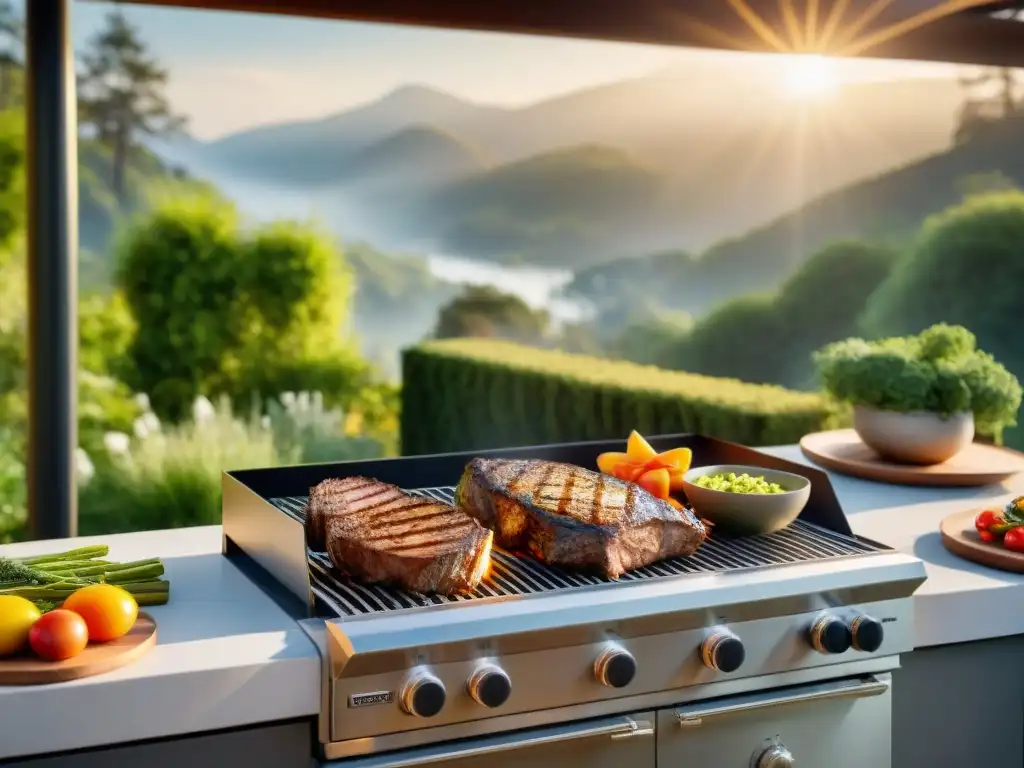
<point>94,660</point>
<point>960,537</point>
<point>843,451</point>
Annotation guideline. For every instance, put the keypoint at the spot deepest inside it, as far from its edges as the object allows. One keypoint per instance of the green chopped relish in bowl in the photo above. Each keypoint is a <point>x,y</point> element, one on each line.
<point>730,482</point>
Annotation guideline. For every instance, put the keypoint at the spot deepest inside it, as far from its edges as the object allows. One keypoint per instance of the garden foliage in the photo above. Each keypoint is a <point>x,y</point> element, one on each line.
<point>467,394</point>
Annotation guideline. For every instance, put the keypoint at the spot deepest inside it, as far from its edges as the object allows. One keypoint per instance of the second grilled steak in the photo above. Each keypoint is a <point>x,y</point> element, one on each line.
<point>378,532</point>
<point>566,515</point>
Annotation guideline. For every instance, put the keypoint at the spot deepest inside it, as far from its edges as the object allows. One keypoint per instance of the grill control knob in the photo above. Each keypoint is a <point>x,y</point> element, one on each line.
<point>830,635</point>
<point>723,651</point>
<point>489,686</point>
<point>615,667</point>
<point>867,634</point>
<point>774,755</point>
<point>423,695</point>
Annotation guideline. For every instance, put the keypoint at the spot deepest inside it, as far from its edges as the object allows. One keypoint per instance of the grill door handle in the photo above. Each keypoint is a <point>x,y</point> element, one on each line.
<point>693,717</point>
<point>623,728</point>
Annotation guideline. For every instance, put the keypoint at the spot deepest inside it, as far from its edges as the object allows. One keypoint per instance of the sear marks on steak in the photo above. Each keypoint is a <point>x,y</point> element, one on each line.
<point>377,532</point>
<point>323,498</point>
<point>569,516</point>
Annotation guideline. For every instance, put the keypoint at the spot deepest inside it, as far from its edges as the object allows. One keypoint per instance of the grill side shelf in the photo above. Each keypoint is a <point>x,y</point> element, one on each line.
<point>512,576</point>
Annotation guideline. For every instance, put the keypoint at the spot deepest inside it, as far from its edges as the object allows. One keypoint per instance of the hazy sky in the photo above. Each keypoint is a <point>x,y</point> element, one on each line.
<point>231,71</point>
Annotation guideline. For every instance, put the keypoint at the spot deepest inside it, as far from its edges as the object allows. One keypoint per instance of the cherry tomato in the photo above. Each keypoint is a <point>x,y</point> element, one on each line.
<point>986,535</point>
<point>109,611</point>
<point>986,520</point>
<point>58,635</point>
<point>1014,539</point>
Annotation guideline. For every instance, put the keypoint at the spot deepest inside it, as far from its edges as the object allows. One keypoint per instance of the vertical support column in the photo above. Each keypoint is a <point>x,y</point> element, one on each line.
<point>52,182</point>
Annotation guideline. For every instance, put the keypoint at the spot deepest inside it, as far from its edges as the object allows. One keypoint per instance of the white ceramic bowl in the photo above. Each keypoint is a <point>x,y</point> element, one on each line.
<point>913,438</point>
<point>748,513</point>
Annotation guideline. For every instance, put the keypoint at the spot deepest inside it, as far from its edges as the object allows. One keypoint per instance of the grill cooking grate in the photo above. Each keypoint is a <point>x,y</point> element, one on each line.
<point>510,575</point>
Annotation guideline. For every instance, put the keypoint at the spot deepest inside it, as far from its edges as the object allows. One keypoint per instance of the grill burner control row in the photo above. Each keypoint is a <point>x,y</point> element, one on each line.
<point>424,694</point>
<point>830,634</point>
<point>723,651</point>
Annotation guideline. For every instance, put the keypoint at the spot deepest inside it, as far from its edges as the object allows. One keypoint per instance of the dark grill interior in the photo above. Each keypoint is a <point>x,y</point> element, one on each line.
<point>514,576</point>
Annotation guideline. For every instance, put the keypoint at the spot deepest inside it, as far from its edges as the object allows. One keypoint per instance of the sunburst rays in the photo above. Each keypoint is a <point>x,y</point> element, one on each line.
<point>824,28</point>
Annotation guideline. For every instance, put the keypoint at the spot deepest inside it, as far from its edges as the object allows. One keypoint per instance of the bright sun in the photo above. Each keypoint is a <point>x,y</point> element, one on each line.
<point>810,77</point>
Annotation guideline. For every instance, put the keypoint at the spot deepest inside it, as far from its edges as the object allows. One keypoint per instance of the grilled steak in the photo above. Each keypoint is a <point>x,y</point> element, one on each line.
<point>327,497</point>
<point>570,516</point>
<point>377,532</point>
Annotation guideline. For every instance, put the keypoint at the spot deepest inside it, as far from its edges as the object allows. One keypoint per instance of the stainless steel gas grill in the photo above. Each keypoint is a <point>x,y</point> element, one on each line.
<point>755,651</point>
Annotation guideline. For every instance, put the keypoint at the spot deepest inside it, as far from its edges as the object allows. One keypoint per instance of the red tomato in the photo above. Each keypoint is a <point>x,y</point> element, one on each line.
<point>986,535</point>
<point>986,520</point>
<point>109,611</point>
<point>1014,539</point>
<point>58,635</point>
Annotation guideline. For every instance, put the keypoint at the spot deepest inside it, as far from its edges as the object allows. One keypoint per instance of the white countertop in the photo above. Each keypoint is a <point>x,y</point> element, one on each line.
<point>228,656</point>
<point>960,601</point>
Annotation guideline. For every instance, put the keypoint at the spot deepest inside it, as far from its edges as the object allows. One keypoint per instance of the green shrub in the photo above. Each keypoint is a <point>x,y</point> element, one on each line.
<point>170,477</point>
<point>466,394</point>
<point>823,300</point>
<point>740,339</point>
<point>13,492</point>
<point>156,476</point>
<point>649,340</point>
<point>485,311</point>
<point>104,405</point>
<point>939,371</point>
<point>967,268</point>
<point>180,273</point>
<point>307,432</point>
<point>224,312</point>
<point>105,331</point>
<point>12,175</point>
<point>769,338</point>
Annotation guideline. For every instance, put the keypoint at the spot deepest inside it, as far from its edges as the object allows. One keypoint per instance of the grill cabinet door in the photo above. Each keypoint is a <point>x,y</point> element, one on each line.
<point>616,742</point>
<point>838,724</point>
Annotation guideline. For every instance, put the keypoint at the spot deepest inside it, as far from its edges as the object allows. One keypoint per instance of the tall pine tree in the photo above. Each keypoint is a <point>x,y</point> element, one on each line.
<point>121,94</point>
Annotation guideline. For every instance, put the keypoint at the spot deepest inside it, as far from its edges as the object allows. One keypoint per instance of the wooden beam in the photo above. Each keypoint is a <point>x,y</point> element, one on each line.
<point>960,37</point>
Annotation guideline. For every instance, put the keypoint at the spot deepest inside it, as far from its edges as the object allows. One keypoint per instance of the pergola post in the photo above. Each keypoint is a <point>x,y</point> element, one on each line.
<point>52,183</point>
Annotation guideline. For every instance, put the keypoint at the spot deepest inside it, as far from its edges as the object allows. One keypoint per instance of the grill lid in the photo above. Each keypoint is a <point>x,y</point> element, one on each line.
<point>800,542</point>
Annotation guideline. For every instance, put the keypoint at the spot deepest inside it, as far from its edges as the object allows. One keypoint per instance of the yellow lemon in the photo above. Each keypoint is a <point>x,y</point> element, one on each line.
<point>17,615</point>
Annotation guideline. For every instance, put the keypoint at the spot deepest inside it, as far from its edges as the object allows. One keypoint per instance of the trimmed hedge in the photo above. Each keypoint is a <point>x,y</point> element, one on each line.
<point>474,394</point>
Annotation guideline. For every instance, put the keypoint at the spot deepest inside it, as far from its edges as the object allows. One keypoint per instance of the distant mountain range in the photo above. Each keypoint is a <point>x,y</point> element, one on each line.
<point>676,159</point>
<point>888,208</point>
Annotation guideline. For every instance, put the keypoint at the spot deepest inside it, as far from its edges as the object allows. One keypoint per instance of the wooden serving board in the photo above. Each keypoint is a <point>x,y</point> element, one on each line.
<point>978,464</point>
<point>960,537</point>
<point>94,660</point>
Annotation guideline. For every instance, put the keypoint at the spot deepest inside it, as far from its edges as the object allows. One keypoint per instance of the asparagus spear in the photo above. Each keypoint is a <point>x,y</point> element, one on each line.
<point>152,592</point>
<point>49,579</point>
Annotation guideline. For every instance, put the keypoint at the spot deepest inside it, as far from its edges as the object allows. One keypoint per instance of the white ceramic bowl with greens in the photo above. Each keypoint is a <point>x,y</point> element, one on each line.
<point>745,508</point>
